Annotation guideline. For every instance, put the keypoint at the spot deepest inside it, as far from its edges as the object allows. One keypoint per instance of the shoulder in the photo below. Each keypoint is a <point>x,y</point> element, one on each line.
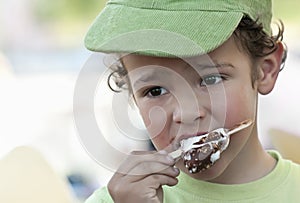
<point>295,172</point>
<point>289,169</point>
<point>100,196</point>
<point>286,163</point>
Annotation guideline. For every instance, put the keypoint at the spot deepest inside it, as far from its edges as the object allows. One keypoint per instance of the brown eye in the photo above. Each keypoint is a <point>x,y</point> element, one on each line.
<point>156,91</point>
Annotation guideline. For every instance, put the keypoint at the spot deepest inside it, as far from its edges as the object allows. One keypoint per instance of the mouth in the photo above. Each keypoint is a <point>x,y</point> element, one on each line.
<point>186,136</point>
<point>200,152</point>
<point>177,141</point>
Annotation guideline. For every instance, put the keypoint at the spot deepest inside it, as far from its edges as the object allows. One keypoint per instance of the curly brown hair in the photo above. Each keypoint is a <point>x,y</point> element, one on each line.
<point>249,36</point>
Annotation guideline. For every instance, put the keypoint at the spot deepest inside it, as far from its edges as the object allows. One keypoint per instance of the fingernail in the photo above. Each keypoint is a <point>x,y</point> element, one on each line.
<point>171,159</point>
<point>176,170</point>
<point>163,152</point>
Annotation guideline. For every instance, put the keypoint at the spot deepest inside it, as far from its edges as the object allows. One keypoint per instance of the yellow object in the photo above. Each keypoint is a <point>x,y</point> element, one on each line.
<point>25,176</point>
<point>286,143</point>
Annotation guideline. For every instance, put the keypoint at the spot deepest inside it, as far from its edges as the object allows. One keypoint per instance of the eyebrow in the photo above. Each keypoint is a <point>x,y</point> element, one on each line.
<point>215,65</point>
<point>153,75</point>
<point>148,77</point>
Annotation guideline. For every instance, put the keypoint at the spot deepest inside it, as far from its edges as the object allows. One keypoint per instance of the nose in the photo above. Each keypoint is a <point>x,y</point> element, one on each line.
<point>188,112</point>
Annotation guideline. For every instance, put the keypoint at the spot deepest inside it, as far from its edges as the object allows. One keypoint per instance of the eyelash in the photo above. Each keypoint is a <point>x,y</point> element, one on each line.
<point>219,78</point>
<point>148,91</point>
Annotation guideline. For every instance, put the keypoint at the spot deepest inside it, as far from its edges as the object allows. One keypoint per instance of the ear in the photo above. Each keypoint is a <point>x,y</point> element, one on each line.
<point>268,69</point>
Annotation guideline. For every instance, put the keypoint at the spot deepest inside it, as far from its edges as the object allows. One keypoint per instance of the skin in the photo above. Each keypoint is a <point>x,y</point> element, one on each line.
<point>191,100</point>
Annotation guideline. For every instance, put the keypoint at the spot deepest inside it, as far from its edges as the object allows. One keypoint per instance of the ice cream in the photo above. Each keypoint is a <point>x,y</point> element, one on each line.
<point>207,152</point>
<point>201,152</point>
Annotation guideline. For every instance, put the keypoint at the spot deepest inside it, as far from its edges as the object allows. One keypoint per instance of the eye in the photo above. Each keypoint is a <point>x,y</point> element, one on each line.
<point>211,80</point>
<point>156,91</point>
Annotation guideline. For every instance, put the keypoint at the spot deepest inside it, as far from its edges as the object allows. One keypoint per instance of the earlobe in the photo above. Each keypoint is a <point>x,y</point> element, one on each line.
<point>269,67</point>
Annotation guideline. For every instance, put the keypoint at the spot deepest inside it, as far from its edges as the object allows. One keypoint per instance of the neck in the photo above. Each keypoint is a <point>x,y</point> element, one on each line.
<point>259,163</point>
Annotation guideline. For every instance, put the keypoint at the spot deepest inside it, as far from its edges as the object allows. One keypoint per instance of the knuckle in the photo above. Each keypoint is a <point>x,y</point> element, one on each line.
<point>156,178</point>
<point>116,190</point>
<point>171,181</point>
<point>115,187</point>
<point>133,153</point>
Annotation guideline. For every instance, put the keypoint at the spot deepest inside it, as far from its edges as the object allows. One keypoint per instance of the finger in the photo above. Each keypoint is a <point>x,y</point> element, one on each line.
<point>136,158</point>
<point>150,188</point>
<point>148,168</point>
<point>146,189</point>
<point>170,171</point>
<point>157,180</point>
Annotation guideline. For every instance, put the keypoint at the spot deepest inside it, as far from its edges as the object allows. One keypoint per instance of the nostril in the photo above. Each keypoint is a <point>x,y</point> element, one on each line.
<point>189,114</point>
<point>186,117</point>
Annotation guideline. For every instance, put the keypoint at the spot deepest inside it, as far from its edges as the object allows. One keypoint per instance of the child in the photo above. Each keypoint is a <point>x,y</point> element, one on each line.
<point>193,66</point>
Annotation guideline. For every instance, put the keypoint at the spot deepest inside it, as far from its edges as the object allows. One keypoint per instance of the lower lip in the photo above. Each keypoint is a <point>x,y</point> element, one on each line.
<point>189,136</point>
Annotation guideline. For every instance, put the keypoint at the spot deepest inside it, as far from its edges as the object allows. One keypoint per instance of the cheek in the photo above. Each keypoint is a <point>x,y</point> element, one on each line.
<point>156,122</point>
<point>241,105</point>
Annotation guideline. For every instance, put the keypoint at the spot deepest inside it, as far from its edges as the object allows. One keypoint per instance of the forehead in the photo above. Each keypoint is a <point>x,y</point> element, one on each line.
<point>146,69</point>
<point>228,53</point>
<point>163,67</point>
<point>133,61</point>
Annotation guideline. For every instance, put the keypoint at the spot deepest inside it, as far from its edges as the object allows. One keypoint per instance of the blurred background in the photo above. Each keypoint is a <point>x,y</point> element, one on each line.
<point>41,54</point>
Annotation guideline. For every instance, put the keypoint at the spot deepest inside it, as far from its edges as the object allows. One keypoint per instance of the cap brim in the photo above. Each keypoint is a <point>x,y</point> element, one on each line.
<point>164,33</point>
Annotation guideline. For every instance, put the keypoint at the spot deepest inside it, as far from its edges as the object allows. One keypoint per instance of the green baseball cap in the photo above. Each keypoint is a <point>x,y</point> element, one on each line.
<point>171,28</point>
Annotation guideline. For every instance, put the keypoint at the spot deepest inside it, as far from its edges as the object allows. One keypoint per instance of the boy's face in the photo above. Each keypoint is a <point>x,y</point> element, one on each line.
<point>182,98</point>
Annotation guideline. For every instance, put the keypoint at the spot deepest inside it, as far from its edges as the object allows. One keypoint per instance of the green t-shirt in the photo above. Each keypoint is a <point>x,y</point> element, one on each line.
<point>281,185</point>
